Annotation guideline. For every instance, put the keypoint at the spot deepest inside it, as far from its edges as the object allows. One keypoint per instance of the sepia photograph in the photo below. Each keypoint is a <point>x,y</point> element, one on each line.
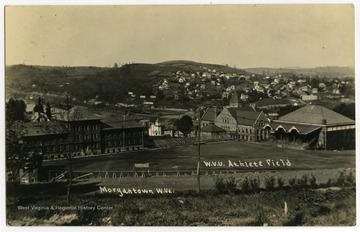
<point>192,115</point>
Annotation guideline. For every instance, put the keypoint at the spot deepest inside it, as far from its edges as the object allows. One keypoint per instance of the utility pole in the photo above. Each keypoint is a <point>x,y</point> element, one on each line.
<point>69,156</point>
<point>198,163</point>
<point>123,133</point>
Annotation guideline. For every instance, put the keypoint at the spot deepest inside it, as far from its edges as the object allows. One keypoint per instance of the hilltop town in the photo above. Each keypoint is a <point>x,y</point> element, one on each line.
<point>230,103</point>
<point>180,84</point>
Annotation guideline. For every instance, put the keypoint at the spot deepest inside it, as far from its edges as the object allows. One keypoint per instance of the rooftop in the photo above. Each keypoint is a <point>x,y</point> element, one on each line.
<point>45,128</point>
<point>120,123</point>
<point>317,115</point>
<point>212,129</point>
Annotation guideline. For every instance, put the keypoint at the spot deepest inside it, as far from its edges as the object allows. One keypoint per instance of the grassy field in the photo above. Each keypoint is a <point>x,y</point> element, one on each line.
<point>318,203</point>
<point>305,208</point>
<point>185,158</point>
<point>324,165</point>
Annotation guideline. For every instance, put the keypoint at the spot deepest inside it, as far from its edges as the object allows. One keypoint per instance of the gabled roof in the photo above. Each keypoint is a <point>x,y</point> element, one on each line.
<point>212,129</point>
<point>77,113</point>
<point>45,128</point>
<point>247,117</point>
<point>234,99</point>
<point>314,114</point>
<point>120,123</point>
<point>233,110</point>
<point>270,101</point>
<point>210,114</point>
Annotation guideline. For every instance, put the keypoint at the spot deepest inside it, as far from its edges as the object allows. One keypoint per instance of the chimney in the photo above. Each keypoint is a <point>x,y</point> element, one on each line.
<point>323,121</point>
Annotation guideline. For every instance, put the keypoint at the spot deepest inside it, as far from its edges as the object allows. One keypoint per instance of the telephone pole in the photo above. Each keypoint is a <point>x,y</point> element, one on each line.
<point>198,153</point>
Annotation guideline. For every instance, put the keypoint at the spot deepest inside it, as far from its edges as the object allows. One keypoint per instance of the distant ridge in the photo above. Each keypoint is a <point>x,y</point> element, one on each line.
<point>326,71</point>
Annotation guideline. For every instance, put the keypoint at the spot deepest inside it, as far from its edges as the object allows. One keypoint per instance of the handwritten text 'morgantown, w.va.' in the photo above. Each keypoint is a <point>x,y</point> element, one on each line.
<point>135,191</point>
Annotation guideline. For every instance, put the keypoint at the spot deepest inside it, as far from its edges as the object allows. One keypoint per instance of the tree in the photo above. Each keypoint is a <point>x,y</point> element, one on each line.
<point>347,110</point>
<point>160,95</point>
<point>184,124</point>
<point>15,110</point>
<point>15,152</point>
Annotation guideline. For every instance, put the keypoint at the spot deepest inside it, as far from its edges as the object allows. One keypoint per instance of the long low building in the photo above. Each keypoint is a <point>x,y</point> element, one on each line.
<point>56,139</point>
<point>314,127</point>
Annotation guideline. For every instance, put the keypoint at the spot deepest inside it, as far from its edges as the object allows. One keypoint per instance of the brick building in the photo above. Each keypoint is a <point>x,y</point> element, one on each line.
<point>55,139</point>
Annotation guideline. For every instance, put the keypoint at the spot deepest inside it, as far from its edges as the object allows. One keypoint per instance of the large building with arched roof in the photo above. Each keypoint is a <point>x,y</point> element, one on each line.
<point>314,127</point>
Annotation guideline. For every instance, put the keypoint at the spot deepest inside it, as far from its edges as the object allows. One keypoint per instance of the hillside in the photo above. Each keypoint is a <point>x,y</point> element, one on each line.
<point>44,79</point>
<point>192,66</point>
<point>176,83</point>
<point>328,71</point>
<point>105,84</point>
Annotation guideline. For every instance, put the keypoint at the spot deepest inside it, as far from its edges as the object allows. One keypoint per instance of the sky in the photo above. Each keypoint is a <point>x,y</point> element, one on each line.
<point>244,36</point>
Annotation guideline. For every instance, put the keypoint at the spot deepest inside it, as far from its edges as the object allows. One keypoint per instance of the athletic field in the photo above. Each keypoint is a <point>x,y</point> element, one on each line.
<point>217,156</point>
<point>175,168</point>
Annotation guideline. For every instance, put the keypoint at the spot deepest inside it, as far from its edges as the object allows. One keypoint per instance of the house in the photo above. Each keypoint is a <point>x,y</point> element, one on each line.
<point>27,177</point>
<point>315,127</point>
<point>310,97</point>
<point>163,127</point>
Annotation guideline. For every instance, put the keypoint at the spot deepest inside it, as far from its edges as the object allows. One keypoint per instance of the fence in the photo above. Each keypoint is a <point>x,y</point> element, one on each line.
<point>184,141</point>
<point>58,174</point>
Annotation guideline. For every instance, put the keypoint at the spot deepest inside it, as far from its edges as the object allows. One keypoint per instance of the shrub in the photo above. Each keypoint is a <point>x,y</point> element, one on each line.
<point>231,184</point>
<point>330,183</point>
<point>255,184</point>
<point>351,179</point>
<point>220,185</point>
<point>280,182</point>
<point>303,182</point>
<point>270,183</point>
<point>345,179</point>
<point>312,181</point>
<point>293,183</point>
<point>226,186</point>
<point>245,185</point>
